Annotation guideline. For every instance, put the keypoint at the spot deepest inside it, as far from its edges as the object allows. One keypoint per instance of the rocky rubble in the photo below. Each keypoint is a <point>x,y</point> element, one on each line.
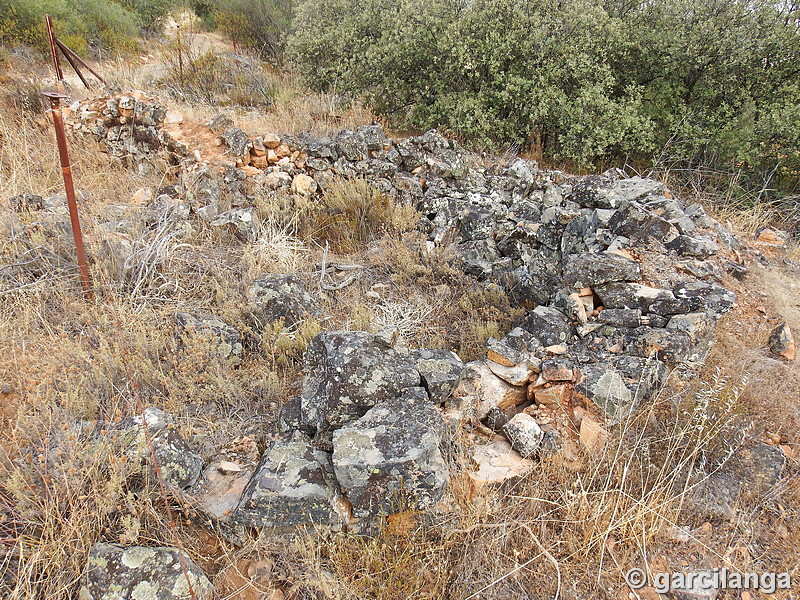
<point>620,284</point>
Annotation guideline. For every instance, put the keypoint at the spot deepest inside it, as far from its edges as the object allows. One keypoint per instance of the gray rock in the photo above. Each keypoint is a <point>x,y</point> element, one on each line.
<point>114,572</point>
<point>347,373</point>
<point>238,221</point>
<point>700,246</point>
<point>605,387</point>
<point>670,346</point>
<point>558,368</point>
<point>781,342</point>
<point>635,222</point>
<point>621,317</point>
<point>210,331</point>
<point>524,433</point>
<point>549,326</point>
<point>531,284</point>
<point>389,460</point>
<point>641,297</point>
<point>591,269</point>
<point>276,297</point>
<point>700,329</point>
<point>179,465</point>
<point>749,474</point>
<point>441,371</point>
<point>293,486</point>
<point>220,123</point>
<point>706,297</point>
<point>237,141</point>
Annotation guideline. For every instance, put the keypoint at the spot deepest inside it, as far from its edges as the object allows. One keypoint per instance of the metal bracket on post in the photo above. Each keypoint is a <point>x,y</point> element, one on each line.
<point>66,171</point>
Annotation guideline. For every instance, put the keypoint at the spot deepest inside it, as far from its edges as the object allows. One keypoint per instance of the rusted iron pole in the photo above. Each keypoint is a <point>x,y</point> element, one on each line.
<point>66,171</point>
<point>70,55</point>
<point>53,52</point>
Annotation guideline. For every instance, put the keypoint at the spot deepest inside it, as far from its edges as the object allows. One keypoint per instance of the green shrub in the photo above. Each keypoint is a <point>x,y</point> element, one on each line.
<point>691,85</point>
<point>262,25</point>
<point>101,23</point>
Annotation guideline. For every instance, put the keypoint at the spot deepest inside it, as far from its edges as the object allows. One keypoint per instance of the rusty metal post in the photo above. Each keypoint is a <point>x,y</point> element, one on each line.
<point>66,171</point>
<point>53,52</point>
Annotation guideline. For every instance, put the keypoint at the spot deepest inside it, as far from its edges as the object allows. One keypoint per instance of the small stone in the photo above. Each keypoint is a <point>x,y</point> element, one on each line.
<point>518,375</point>
<point>480,390</point>
<point>271,140</point>
<point>771,237</point>
<point>303,185</point>
<point>524,434</point>
<point>781,342</point>
<point>558,369</point>
<point>441,371</point>
<point>114,571</point>
<point>554,395</point>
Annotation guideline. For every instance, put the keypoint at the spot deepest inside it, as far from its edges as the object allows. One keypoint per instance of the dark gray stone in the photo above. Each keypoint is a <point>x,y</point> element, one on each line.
<point>707,297</point>
<point>621,317</point>
<point>389,460</point>
<point>441,371</point>
<point>700,247</point>
<point>549,326</point>
<point>114,572</point>
<point>276,297</point>
<point>591,269</point>
<point>635,222</point>
<point>237,141</point>
<point>604,386</point>
<point>292,486</point>
<point>205,329</point>
<point>670,346</point>
<point>349,372</point>
<point>641,297</point>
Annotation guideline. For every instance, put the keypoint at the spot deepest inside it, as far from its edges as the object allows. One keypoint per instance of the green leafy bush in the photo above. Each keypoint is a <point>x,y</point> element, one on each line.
<point>687,84</point>
<point>81,24</point>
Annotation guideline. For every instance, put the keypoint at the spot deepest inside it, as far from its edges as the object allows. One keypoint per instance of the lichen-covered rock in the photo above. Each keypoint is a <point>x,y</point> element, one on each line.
<point>276,297</point>
<point>549,326</point>
<point>238,221</point>
<point>700,246</point>
<point>671,346</point>
<point>591,269</point>
<point>524,434</point>
<point>114,572</point>
<point>636,222</point>
<point>237,141</point>
<point>641,297</point>
<point>349,372</point>
<point>292,486</point>
<point>699,296</point>
<point>200,329</point>
<point>749,473</point>
<point>179,465</point>
<point>605,387</point>
<point>389,460</point>
<point>440,370</point>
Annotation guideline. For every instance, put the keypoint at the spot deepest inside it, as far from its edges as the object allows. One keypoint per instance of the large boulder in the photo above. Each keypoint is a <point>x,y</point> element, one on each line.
<point>389,460</point>
<point>349,372</point>
<point>114,572</point>
<point>292,486</point>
